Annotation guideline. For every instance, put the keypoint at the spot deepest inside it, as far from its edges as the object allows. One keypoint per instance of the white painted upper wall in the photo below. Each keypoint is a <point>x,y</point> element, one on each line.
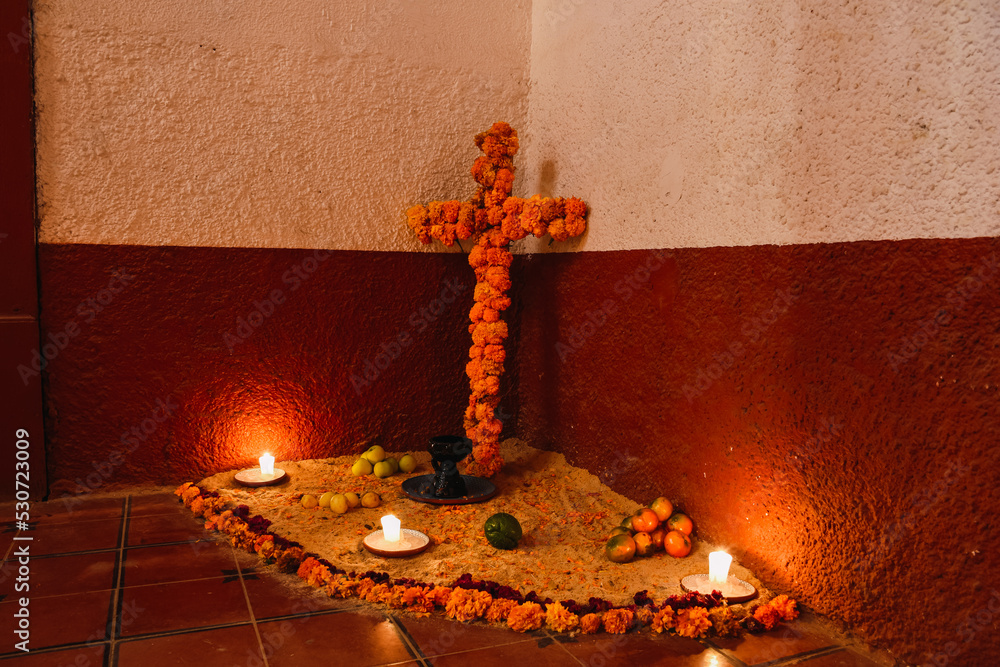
<point>301,123</point>
<point>315,124</point>
<point>740,123</point>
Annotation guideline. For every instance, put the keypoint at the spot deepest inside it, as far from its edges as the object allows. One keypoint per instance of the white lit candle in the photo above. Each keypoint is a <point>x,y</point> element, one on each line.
<point>267,465</point>
<point>390,528</point>
<point>718,567</point>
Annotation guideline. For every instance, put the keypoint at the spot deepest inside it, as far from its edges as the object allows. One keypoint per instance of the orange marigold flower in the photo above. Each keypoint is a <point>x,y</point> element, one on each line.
<point>525,617</point>
<point>487,461</point>
<point>767,615</point>
<point>692,622</point>
<point>379,593</point>
<point>478,256</point>
<point>664,619</point>
<point>725,622</point>
<point>786,607</point>
<point>618,621</point>
<point>575,207</point>
<point>551,208</point>
<point>499,257</point>
<point>557,229</point>
<point>644,615</point>
<point>490,315</point>
<point>440,595</point>
<point>179,491</point>
<point>495,353</point>
<point>289,559</point>
<point>450,210</point>
<point>197,505</point>
<point>560,619</point>
<point>531,217</point>
<point>363,587</point>
<point>189,494</point>
<point>500,610</point>
<point>467,605</point>
<point>416,599</point>
<point>590,624</point>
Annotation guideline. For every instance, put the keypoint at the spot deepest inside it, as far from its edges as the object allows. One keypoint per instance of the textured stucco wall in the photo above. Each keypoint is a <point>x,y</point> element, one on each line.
<point>728,123</point>
<point>272,124</point>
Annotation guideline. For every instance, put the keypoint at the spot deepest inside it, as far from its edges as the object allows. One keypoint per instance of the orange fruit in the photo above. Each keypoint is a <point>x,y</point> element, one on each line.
<point>677,544</point>
<point>681,522</point>
<point>620,549</point>
<point>663,508</point>
<point>657,537</point>
<point>643,544</point>
<point>645,520</point>
<point>627,523</point>
<point>619,530</point>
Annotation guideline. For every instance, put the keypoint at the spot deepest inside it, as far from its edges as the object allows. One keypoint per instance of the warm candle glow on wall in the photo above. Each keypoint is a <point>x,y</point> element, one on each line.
<point>718,567</point>
<point>390,528</point>
<point>266,464</point>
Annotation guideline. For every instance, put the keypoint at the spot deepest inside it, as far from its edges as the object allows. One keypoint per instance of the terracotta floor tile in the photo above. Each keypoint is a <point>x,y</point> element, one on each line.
<point>178,562</point>
<point>788,639</point>
<point>90,656</point>
<point>436,635</point>
<point>845,658</point>
<point>222,647</point>
<point>164,528</point>
<point>60,620</point>
<point>61,538</point>
<point>182,605</point>
<point>63,575</point>
<point>341,638</point>
<point>642,648</point>
<point>157,503</point>
<point>77,508</point>
<point>274,595</point>
<point>533,653</point>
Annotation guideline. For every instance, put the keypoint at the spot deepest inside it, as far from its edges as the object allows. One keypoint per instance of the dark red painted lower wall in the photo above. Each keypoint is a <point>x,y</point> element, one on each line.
<point>168,364</point>
<point>828,412</point>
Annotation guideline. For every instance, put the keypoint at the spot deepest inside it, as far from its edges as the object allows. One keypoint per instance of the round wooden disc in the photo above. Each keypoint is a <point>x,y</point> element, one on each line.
<point>252,477</point>
<point>734,590</point>
<point>411,542</point>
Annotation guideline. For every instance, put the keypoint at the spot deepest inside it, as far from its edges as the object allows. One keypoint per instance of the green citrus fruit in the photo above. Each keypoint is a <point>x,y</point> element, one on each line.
<point>502,530</point>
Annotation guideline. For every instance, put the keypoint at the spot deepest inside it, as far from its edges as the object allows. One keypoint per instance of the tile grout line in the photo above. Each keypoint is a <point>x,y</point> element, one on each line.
<point>246,597</point>
<point>408,640</point>
<point>555,640</point>
<point>117,597</point>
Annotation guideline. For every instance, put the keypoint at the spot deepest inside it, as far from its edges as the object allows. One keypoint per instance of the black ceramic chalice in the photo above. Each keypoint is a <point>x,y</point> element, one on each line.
<point>446,486</point>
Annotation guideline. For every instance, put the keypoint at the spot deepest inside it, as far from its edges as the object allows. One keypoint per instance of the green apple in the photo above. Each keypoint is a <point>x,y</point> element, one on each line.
<point>371,499</point>
<point>324,500</point>
<point>361,467</point>
<point>352,499</point>
<point>407,464</point>
<point>394,463</point>
<point>383,469</point>
<point>374,454</point>
<point>309,501</point>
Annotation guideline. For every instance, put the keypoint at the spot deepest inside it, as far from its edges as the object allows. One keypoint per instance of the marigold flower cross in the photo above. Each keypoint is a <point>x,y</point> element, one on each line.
<point>498,219</point>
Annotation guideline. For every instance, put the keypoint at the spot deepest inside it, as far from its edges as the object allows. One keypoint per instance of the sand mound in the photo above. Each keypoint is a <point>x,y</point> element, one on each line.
<point>565,513</point>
